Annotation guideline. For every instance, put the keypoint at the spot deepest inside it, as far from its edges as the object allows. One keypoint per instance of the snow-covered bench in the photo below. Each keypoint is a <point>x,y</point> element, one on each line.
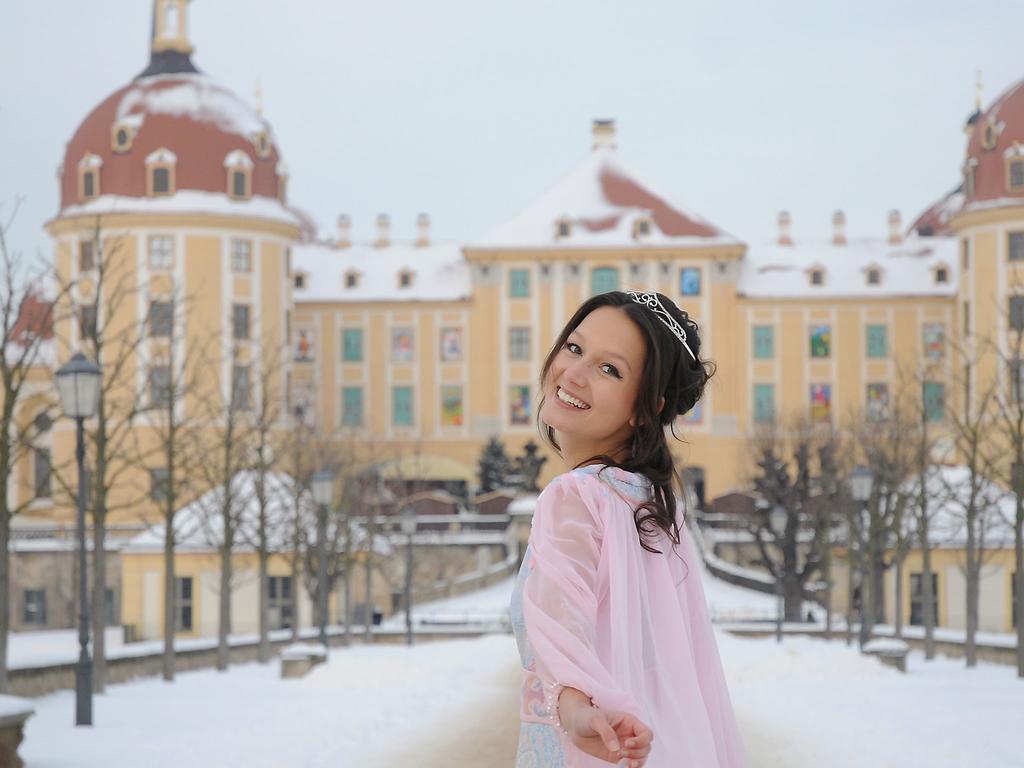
<point>889,651</point>
<point>299,658</point>
<point>13,714</point>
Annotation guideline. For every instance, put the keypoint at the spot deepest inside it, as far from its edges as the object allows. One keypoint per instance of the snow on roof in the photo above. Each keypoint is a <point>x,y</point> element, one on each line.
<point>780,271</point>
<point>524,505</point>
<point>199,525</point>
<point>191,95</point>
<point>162,155</point>
<point>237,159</point>
<point>186,201</point>
<point>948,489</point>
<point>439,272</point>
<point>604,203</point>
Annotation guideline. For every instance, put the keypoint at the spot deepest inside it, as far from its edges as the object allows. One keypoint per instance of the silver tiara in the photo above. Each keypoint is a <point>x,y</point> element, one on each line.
<point>653,303</point>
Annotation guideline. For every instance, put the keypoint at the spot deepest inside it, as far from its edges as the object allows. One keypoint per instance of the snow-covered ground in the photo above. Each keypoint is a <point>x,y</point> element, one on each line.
<point>484,606</point>
<point>802,704</point>
<point>362,706</point>
<point>808,703</point>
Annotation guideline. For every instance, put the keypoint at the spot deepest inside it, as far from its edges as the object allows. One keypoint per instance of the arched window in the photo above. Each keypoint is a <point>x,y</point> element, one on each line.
<point>239,174</point>
<point>89,176</point>
<point>604,279</point>
<point>1014,167</point>
<point>160,172</point>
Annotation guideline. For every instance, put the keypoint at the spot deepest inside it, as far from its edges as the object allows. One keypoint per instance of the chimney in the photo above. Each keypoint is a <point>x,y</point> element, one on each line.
<point>422,230</point>
<point>604,134</point>
<point>895,227</point>
<point>784,233</point>
<point>344,231</point>
<point>838,228</point>
<point>383,231</point>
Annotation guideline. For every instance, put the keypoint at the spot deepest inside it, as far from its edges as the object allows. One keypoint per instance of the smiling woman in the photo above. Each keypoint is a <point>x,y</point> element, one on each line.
<point>619,660</point>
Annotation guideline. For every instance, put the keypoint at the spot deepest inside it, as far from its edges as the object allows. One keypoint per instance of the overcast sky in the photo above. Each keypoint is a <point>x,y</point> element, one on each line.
<point>469,109</point>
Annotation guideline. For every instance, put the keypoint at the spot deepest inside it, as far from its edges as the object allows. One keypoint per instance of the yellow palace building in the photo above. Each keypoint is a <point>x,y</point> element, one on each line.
<point>428,349</point>
<point>421,350</point>
<point>434,347</point>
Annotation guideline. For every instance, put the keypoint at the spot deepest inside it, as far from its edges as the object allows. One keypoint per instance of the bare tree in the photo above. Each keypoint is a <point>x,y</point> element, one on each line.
<point>1010,407</point>
<point>887,442</point>
<point>972,427</point>
<point>833,469</point>
<point>103,300</point>
<point>269,496</point>
<point>227,414</point>
<point>172,381</point>
<point>917,416</point>
<point>784,479</point>
<point>26,323</point>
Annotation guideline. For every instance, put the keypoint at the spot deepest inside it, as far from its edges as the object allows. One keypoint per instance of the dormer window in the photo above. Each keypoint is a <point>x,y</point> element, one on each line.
<point>405,278</point>
<point>816,275</point>
<point>563,228</point>
<point>300,281</point>
<point>282,181</point>
<point>239,170</point>
<point>941,274</point>
<point>160,172</point>
<point>89,176</point>
<point>969,169</point>
<point>873,275</point>
<point>990,134</point>
<point>352,279</point>
<point>261,141</point>
<point>1014,167</point>
<point>642,227</point>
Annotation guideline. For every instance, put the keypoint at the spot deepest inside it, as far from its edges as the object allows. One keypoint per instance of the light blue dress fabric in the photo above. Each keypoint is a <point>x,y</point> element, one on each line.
<point>539,744</point>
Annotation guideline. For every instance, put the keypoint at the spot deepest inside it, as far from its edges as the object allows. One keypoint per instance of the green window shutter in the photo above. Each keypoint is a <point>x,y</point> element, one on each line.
<point>934,396</point>
<point>878,343</point>
<point>604,279</point>
<point>764,341</point>
<point>352,407</point>
<point>402,407</point>
<point>519,283</point>
<point>352,351</point>
<point>764,403</point>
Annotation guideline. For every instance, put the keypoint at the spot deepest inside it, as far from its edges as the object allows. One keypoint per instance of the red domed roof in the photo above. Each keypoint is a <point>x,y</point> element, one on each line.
<point>998,134</point>
<point>199,121</point>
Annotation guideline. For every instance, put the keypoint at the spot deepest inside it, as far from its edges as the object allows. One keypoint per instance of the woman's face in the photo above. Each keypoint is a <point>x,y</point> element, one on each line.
<point>598,371</point>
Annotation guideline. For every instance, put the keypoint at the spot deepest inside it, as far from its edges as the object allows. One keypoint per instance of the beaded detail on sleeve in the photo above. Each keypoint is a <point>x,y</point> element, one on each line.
<point>539,700</point>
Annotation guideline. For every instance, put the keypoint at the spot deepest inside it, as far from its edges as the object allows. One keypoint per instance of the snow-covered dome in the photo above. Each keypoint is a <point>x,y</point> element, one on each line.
<point>996,137</point>
<point>175,116</point>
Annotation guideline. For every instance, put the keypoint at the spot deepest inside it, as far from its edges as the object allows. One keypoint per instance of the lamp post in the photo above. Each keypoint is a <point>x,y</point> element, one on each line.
<point>408,528</point>
<point>323,488</point>
<point>78,382</point>
<point>861,482</point>
<point>777,519</point>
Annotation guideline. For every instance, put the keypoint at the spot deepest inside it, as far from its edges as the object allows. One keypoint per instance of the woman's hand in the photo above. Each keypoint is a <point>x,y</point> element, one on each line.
<point>607,735</point>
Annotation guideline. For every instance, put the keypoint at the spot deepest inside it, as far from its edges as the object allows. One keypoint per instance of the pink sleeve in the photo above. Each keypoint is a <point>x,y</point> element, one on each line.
<point>561,595</point>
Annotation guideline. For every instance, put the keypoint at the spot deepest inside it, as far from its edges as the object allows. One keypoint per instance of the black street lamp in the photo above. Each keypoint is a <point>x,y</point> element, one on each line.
<point>408,528</point>
<point>861,482</point>
<point>777,520</point>
<point>323,490</point>
<point>78,382</point>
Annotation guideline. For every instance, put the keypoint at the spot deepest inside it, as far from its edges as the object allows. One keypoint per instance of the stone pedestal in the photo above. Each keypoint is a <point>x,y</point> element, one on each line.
<point>13,714</point>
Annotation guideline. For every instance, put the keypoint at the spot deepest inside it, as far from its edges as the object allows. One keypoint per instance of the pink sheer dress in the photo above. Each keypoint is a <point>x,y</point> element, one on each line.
<point>595,611</point>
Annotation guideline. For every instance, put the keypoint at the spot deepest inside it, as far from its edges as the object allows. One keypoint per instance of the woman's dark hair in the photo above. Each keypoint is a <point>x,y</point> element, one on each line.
<point>669,372</point>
